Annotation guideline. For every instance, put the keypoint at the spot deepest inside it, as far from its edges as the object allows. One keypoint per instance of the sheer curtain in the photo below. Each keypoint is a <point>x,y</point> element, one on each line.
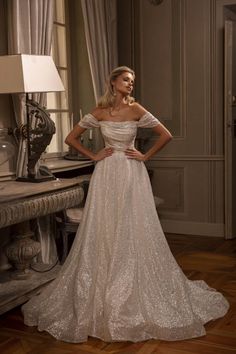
<point>100,23</point>
<point>30,25</point>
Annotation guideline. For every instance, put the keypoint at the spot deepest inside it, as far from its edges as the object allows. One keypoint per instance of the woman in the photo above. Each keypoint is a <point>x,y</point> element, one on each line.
<point>120,281</point>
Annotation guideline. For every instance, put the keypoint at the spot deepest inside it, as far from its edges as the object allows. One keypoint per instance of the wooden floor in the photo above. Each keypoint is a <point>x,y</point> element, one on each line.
<point>210,259</point>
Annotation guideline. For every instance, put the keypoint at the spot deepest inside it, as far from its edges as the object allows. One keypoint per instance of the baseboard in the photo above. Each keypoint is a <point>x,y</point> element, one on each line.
<point>192,228</point>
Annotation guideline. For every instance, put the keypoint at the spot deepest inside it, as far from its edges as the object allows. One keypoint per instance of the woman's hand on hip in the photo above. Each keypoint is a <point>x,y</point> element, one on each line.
<point>102,154</point>
<point>135,154</point>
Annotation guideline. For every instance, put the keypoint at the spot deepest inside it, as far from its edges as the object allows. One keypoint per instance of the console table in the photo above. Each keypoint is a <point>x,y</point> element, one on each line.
<point>20,202</point>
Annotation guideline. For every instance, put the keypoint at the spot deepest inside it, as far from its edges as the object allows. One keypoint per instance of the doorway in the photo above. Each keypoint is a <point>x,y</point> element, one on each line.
<point>230,121</point>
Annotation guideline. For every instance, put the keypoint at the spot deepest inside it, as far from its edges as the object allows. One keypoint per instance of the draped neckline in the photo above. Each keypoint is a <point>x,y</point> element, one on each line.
<point>120,122</point>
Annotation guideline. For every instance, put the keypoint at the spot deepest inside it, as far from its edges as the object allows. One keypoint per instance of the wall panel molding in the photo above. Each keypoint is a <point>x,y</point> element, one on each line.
<point>193,228</point>
<point>209,77</point>
<point>188,158</point>
<point>179,69</point>
<point>173,190</point>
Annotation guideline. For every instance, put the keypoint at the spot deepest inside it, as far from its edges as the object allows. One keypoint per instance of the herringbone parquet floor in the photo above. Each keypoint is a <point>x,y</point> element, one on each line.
<point>208,258</point>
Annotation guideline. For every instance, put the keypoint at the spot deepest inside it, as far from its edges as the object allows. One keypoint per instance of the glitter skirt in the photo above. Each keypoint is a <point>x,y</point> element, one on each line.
<point>120,281</point>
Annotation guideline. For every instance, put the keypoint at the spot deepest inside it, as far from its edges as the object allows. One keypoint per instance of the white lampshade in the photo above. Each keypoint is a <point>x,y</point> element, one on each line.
<point>28,73</point>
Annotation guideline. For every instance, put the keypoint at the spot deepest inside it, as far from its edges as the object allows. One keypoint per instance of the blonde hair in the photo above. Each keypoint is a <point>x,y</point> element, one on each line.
<point>108,97</point>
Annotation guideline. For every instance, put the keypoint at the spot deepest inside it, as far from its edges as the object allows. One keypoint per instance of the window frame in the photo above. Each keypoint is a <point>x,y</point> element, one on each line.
<point>58,154</point>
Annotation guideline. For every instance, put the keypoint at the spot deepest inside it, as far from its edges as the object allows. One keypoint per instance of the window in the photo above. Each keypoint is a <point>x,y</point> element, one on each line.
<point>58,102</point>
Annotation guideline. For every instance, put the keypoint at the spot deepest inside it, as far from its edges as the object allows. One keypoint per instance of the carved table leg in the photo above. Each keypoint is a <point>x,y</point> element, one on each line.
<point>22,250</point>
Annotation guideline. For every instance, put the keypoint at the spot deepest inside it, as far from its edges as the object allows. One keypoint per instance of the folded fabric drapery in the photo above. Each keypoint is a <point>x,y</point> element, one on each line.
<point>100,22</point>
<point>30,26</point>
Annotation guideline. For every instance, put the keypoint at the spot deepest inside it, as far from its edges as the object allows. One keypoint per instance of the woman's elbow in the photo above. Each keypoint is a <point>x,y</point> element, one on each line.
<point>168,136</point>
<point>67,140</point>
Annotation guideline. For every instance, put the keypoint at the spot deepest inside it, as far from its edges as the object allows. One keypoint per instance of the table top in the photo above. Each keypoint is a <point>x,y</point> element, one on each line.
<point>14,190</point>
<point>22,201</point>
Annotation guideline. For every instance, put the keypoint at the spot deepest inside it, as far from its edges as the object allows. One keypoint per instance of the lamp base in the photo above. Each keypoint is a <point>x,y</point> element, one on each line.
<point>36,179</point>
<point>43,175</point>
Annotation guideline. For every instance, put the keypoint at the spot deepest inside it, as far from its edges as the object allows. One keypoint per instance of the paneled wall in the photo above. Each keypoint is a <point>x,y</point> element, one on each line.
<point>179,57</point>
<point>185,172</point>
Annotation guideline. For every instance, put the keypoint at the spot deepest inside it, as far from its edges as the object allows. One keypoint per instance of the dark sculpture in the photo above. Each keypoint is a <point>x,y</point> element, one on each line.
<point>38,132</point>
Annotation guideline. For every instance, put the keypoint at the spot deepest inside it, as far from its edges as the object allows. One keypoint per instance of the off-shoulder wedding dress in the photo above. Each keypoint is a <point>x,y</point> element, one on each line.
<point>120,281</point>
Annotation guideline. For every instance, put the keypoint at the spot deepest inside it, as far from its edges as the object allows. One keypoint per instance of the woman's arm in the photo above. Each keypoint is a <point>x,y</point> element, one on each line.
<point>164,137</point>
<point>72,139</point>
<point>163,133</point>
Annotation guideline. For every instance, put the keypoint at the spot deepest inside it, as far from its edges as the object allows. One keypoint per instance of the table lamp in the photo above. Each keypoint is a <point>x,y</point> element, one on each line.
<point>22,73</point>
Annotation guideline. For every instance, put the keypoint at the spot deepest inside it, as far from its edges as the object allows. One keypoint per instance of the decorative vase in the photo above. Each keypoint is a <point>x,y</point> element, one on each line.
<point>20,253</point>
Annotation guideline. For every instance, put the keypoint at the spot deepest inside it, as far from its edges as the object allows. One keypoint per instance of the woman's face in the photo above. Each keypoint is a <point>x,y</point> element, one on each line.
<point>123,83</point>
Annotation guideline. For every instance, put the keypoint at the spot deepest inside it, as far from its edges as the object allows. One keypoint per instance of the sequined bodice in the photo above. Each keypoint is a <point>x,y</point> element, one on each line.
<point>119,135</point>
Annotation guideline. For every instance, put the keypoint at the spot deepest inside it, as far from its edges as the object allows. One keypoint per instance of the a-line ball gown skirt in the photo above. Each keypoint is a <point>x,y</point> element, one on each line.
<point>120,281</point>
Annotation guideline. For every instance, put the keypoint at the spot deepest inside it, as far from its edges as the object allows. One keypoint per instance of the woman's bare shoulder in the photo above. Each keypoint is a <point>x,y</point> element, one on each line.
<point>98,112</point>
<point>138,109</point>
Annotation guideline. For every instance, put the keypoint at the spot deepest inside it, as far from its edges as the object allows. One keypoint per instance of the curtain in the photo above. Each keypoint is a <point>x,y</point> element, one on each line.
<point>30,26</point>
<point>100,23</point>
<point>101,38</point>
